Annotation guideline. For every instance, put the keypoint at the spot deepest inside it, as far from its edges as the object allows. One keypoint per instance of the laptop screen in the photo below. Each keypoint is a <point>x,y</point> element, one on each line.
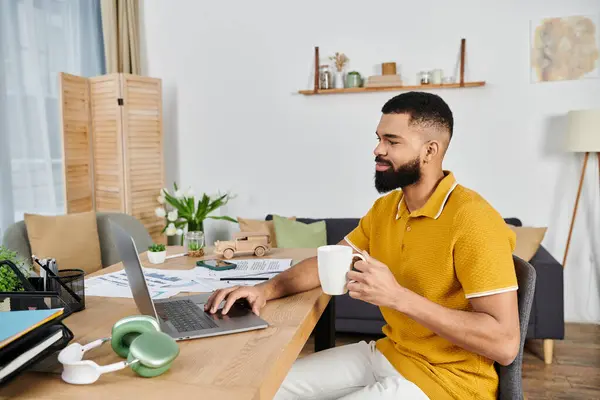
<point>133,269</point>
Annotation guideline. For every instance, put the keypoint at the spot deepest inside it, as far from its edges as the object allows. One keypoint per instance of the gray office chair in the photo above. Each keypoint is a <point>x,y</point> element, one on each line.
<point>511,383</point>
<point>108,249</point>
<point>16,239</point>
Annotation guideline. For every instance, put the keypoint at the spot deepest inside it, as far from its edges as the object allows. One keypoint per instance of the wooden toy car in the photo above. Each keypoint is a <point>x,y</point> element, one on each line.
<point>257,243</point>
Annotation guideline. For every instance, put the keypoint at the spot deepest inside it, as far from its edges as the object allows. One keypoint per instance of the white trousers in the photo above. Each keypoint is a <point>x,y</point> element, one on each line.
<point>352,372</point>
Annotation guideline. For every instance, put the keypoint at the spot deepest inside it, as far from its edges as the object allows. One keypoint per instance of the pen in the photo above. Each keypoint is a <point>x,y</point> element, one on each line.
<point>175,256</point>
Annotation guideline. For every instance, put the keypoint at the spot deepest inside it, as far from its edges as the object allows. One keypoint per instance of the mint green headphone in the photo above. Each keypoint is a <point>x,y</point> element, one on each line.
<point>149,352</point>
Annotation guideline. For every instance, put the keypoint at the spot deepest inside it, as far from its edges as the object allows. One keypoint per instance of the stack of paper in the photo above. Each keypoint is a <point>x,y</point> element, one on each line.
<point>166,283</point>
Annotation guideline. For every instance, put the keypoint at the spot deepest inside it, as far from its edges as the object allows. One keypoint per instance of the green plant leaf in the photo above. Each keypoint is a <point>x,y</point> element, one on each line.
<point>219,202</point>
<point>181,206</point>
<point>224,217</point>
<point>202,205</point>
<point>157,247</point>
<point>190,204</point>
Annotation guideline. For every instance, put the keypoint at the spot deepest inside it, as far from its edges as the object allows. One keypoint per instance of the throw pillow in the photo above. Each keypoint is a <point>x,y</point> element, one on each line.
<point>529,240</point>
<point>71,239</point>
<point>295,234</point>
<point>257,225</point>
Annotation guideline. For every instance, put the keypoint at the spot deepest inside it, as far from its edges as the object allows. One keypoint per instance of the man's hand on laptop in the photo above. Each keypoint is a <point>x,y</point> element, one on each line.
<point>253,294</point>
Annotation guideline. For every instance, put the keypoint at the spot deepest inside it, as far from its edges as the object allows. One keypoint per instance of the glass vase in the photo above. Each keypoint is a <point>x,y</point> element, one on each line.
<point>194,243</point>
<point>339,80</point>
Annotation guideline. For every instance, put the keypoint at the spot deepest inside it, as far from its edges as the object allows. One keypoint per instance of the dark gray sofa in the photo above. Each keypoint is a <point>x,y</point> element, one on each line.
<point>547,314</point>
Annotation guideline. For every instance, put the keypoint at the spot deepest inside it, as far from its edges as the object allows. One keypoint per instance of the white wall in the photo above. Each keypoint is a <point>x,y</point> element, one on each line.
<point>231,71</point>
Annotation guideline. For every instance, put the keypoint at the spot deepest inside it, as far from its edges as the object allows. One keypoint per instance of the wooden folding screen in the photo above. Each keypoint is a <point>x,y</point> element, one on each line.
<point>116,162</point>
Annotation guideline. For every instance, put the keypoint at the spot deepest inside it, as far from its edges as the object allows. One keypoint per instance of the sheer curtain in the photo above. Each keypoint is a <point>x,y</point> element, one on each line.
<point>39,39</point>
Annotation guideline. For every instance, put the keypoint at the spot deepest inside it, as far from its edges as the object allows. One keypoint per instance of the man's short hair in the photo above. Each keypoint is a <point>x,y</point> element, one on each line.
<point>424,109</point>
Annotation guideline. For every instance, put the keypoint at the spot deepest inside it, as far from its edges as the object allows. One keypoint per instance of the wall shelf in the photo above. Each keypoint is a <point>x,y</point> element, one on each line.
<point>461,83</point>
<point>392,88</point>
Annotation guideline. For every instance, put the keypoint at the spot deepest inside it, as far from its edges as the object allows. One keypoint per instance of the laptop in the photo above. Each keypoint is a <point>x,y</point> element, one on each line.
<point>181,317</point>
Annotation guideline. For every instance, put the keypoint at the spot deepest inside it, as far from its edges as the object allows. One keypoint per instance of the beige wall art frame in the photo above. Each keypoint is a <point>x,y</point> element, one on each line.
<point>565,48</point>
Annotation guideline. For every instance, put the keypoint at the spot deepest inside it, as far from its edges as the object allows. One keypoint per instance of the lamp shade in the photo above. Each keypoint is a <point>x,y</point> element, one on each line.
<point>583,131</point>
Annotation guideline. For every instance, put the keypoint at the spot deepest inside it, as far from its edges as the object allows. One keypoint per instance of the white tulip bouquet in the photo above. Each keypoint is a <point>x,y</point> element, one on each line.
<point>181,210</point>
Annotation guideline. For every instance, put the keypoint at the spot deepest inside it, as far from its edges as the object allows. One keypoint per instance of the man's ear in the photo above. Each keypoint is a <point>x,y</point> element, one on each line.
<point>432,148</point>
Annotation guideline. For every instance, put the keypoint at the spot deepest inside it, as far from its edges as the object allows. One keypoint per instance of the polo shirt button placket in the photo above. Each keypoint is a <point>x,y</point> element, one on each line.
<point>408,228</point>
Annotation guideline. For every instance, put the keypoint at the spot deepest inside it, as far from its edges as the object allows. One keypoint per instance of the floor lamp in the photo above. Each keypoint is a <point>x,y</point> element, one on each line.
<point>583,136</point>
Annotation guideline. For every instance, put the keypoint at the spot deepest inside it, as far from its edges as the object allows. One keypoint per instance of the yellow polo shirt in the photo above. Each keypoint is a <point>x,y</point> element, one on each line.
<point>454,248</point>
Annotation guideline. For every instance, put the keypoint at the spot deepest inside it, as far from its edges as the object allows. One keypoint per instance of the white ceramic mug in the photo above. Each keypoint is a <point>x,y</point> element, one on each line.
<point>334,263</point>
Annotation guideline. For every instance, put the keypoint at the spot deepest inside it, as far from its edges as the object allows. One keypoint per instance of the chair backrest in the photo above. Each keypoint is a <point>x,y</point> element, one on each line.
<point>16,238</point>
<point>511,385</point>
<point>110,252</point>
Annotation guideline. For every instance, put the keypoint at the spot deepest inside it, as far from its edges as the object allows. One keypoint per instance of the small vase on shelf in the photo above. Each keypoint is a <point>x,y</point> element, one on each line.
<point>339,80</point>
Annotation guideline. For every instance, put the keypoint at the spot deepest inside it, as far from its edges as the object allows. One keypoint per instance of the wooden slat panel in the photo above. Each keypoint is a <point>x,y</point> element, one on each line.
<point>109,179</point>
<point>77,142</point>
<point>143,135</point>
<point>108,201</point>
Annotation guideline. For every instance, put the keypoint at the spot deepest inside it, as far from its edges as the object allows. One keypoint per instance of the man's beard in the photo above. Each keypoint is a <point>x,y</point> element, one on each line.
<point>391,179</point>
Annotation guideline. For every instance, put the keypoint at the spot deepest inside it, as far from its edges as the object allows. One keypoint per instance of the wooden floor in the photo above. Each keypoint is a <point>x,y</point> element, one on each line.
<point>573,375</point>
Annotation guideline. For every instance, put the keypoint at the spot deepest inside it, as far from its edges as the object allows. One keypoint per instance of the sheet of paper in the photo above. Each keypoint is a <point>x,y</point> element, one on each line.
<point>108,289</point>
<point>166,283</point>
<point>250,267</point>
<point>119,278</point>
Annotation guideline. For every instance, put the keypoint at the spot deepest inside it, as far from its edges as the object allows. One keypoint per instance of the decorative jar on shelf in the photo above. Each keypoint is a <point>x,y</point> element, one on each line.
<point>194,243</point>
<point>353,79</point>
<point>339,79</point>
<point>424,77</point>
<point>325,78</point>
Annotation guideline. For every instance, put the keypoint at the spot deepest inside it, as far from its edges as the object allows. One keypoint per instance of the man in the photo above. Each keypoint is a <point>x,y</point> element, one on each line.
<point>438,264</point>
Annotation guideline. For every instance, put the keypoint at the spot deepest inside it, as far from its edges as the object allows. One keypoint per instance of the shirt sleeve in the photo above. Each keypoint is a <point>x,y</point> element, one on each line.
<point>483,252</point>
<point>360,237</point>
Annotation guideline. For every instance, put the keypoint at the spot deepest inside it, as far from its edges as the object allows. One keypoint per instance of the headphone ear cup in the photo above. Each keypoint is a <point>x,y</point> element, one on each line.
<point>126,330</point>
<point>155,352</point>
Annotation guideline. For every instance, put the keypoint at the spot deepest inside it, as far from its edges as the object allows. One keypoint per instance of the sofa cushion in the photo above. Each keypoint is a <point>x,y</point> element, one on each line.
<point>337,228</point>
<point>256,225</point>
<point>296,234</point>
<point>528,242</point>
<point>71,239</point>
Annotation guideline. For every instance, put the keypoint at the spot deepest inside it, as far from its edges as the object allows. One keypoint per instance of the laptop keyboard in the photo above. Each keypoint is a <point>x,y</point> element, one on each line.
<point>184,315</point>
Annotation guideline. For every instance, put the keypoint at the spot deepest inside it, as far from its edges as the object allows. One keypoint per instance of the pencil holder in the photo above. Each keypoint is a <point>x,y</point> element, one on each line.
<point>70,279</point>
<point>33,295</point>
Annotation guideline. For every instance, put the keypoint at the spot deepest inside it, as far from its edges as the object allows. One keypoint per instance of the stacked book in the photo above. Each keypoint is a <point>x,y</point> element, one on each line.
<point>29,336</point>
<point>383,81</point>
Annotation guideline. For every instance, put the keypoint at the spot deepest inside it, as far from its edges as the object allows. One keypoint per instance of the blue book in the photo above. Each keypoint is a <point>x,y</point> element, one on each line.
<point>14,324</point>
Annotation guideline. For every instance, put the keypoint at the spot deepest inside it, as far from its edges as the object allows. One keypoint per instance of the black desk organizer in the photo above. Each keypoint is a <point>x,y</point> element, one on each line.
<point>33,298</point>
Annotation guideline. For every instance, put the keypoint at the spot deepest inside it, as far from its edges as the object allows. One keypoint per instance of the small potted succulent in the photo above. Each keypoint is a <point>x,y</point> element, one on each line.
<point>157,253</point>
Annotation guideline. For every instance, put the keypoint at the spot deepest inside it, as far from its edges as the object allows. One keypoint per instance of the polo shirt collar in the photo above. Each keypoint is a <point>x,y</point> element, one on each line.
<point>435,204</point>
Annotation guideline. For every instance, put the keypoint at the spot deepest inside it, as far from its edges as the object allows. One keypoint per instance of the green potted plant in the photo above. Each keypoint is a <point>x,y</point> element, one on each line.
<point>9,282</point>
<point>157,253</point>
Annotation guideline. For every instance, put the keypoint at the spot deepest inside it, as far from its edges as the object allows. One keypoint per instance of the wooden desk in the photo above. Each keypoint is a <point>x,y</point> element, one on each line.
<point>248,365</point>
